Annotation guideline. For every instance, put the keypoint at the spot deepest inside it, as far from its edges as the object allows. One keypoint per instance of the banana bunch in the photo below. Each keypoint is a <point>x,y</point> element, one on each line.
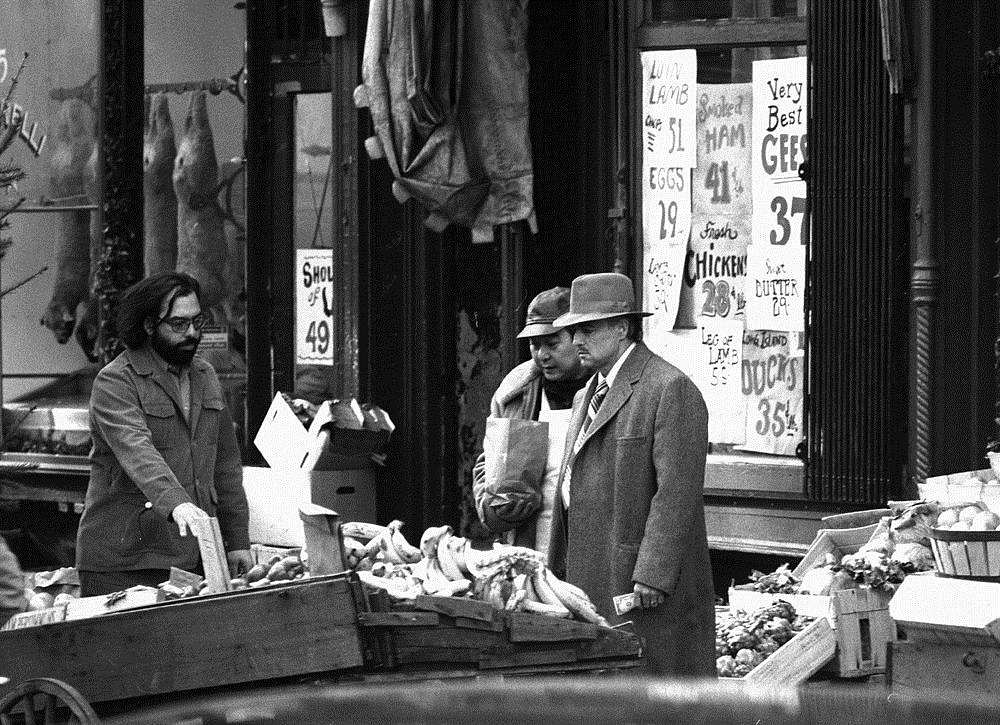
<point>365,544</point>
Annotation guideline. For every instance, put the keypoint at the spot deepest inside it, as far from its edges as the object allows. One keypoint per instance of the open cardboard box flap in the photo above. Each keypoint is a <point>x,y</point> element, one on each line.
<point>947,610</point>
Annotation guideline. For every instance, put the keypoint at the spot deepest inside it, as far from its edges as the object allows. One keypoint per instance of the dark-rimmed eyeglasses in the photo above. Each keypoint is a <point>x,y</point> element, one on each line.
<point>181,324</point>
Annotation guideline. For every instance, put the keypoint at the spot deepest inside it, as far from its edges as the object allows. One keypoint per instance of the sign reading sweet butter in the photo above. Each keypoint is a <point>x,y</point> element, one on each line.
<point>715,268</point>
<point>314,307</point>
<point>780,146</point>
<point>776,280</point>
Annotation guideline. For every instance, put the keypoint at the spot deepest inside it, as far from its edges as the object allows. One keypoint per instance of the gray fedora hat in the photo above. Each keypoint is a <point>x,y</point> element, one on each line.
<point>599,297</point>
<point>543,311</point>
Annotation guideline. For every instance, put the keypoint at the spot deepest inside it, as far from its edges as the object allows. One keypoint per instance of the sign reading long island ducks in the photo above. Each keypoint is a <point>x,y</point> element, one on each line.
<point>668,154</point>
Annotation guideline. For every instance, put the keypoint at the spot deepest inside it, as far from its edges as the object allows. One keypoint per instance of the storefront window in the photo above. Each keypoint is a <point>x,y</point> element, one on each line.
<point>314,304</point>
<point>49,314</point>
<point>724,224</point>
<point>675,10</point>
<point>194,170</point>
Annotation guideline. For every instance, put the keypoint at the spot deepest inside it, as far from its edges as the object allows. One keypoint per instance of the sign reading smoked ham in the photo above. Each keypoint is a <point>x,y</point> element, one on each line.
<point>721,206</point>
<point>314,307</point>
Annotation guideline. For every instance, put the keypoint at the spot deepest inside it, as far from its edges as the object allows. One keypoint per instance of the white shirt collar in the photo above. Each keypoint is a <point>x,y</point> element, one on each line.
<point>613,372</point>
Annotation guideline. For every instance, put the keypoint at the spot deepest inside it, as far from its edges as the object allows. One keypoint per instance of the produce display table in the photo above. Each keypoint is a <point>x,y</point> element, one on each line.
<point>323,626</point>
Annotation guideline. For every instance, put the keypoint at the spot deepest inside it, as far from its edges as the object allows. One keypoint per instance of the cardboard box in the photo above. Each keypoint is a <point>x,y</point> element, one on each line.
<point>286,444</point>
<point>274,496</point>
<point>945,610</point>
<point>966,487</point>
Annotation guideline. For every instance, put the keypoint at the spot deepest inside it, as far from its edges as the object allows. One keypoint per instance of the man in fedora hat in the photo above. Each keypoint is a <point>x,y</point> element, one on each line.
<point>630,515</point>
<point>539,389</point>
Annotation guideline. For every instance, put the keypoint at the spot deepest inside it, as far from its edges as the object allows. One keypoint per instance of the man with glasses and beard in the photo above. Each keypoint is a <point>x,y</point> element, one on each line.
<point>164,448</point>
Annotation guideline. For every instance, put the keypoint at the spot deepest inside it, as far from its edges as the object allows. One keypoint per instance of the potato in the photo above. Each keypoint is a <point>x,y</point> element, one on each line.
<point>256,573</point>
<point>41,600</point>
<point>277,573</point>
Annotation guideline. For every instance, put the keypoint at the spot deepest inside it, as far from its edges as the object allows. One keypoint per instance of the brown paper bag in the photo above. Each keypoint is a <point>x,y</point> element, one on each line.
<point>515,451</point>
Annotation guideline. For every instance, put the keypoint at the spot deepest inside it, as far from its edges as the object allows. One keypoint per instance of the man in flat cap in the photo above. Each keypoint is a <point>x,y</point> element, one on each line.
<point>539,389</point>
<point>630,515</point>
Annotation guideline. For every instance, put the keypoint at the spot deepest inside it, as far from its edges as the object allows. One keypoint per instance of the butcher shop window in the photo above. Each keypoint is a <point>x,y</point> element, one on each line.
<point>722,99</point>
<point>48,74</point>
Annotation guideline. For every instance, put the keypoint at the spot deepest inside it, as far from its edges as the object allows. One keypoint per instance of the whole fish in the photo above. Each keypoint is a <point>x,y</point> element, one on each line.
<point>71,147</point>
<point>159,200</point>
<point>201,242</point>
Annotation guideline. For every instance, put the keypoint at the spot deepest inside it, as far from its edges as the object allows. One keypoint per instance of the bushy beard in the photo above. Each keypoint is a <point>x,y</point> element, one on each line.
<point>180,353</point>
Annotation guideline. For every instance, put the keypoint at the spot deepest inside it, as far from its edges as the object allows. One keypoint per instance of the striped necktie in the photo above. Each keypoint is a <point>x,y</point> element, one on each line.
<point>595,404</point>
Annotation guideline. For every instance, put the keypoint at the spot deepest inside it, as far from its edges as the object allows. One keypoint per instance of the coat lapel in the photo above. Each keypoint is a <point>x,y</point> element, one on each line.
<point>628,375</point>
<point>197,391</point>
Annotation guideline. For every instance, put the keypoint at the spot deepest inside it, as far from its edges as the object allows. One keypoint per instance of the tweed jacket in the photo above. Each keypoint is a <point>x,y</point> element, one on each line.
<point>518,396</point>
<point>147,458</point>
<point>636,510</point>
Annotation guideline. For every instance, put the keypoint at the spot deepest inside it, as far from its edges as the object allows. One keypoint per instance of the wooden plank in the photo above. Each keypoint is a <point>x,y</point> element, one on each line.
<point>799,658</point>
<point>324,541</point>
<point>520,658</point>
<point>409,655</point>
<point>447,637</point>
<point>610,643</point>
<point>398,619</point>
<point>303,627</point>
<point>921,669</point>
<point>213,553</point>
<point>495,625</point>
<point>457,607</point>
<point>527,627</point>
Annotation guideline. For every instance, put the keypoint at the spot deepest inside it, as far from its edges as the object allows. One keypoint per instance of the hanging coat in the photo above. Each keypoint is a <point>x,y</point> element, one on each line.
<point>446,85</point>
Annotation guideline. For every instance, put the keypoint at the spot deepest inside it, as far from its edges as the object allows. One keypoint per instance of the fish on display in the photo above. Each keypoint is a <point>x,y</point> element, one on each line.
<point>71,148</point>
<point>159,200</point>
<point>201,242</point>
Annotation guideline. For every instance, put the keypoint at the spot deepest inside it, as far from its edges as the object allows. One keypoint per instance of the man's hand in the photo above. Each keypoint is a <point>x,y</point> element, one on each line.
<point>240,562</point>
<point>184,514</point>
<point>648,596</point>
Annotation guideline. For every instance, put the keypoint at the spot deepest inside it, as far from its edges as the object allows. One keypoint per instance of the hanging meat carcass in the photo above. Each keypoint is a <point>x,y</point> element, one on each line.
<point>201,243</point>
<point>159,200</point>
<point>232,180</point>
<point>88,311</point>
<point>71,147</point>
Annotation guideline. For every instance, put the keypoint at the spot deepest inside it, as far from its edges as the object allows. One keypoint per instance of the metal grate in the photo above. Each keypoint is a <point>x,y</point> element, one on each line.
<point>855,409</point>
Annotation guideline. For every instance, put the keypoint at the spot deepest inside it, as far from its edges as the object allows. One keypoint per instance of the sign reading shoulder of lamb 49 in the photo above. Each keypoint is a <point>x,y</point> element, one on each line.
<point>314,306</point>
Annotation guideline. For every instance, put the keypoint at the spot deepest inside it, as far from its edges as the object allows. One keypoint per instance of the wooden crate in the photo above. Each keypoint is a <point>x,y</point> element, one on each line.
<point>799,658</point>
<point>286,629</point>
<point>859,618</point>
<point>919,669</point>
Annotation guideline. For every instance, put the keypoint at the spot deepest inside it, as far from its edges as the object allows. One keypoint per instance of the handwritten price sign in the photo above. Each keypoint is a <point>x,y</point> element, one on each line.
<point>775,288</point>
<point>719,378</point>
<point>780,144</point>
<point>772,383</point>
<point>314,307</point>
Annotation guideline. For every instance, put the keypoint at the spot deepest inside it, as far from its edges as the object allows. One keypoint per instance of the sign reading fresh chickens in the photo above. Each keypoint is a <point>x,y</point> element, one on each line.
<point>314,307</point>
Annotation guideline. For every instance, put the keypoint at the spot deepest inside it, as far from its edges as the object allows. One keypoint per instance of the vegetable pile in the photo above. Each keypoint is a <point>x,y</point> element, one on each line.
<point>743,641</point>
<point>511,578</point>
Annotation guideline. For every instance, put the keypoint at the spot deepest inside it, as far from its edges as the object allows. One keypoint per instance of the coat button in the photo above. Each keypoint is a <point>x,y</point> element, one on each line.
<point>149,505</point>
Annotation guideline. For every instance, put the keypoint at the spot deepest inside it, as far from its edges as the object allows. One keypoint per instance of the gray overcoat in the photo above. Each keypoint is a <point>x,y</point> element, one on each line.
<point>637,514</point>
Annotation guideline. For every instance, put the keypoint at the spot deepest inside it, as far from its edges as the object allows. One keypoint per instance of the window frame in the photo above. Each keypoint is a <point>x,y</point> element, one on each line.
<point>747,475</point>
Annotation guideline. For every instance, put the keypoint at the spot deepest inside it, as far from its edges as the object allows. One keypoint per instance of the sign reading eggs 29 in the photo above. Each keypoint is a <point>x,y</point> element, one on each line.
<point>314,307</point>
<point>781,146</point>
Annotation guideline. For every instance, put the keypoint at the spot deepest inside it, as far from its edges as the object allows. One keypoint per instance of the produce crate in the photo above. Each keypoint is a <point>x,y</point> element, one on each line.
<point>799,658</point>
<point>437,631</point>
<point>282,630</point>
<point>859,617</point>
<point>967,554</point>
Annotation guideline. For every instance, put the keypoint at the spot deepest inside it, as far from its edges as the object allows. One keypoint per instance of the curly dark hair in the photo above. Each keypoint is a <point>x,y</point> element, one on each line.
<point>142,301</point>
